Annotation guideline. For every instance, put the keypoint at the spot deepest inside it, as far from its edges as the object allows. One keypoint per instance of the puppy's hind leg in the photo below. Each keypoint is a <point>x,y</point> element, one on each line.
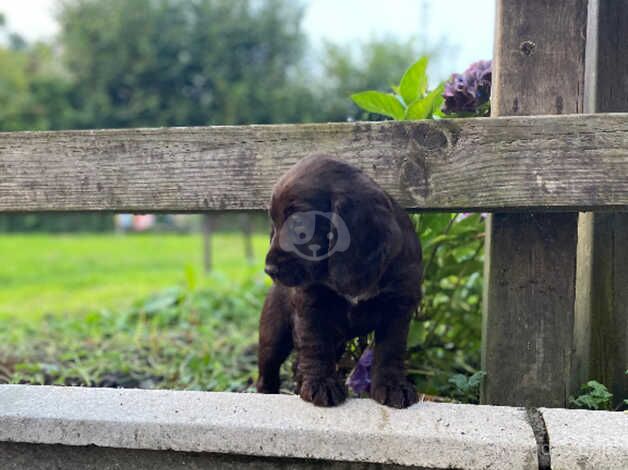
<point>275,340</point>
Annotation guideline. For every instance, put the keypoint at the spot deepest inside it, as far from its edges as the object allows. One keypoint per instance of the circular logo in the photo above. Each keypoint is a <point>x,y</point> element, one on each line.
<point>299,230</point>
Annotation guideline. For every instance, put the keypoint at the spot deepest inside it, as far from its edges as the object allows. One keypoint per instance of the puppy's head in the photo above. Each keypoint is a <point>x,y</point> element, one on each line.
<point>331,224</point>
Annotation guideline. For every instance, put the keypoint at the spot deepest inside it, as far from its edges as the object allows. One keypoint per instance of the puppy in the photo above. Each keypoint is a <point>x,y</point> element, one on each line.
<point>345,261</point>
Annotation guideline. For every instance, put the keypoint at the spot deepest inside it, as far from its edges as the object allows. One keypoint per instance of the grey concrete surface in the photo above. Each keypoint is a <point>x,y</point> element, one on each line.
<point>583,440</point>
<point>16,456</point>
<point>426,435</point>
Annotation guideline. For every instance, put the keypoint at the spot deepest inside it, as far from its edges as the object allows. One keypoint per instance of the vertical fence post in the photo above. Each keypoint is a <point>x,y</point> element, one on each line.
<point>207,241</point>
<point>602,277</point>
<point>529,302</point>
<point>246,222</point>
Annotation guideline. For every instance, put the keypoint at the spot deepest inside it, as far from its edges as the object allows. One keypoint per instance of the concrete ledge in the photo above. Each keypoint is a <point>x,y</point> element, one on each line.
<point>17,456</point>
<point>587,439</point>
<point>427,435</point>
<point>115,427</point>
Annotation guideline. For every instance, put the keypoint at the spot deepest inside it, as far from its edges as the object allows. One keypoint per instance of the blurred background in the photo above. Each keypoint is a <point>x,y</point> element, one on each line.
<point>173,300</point>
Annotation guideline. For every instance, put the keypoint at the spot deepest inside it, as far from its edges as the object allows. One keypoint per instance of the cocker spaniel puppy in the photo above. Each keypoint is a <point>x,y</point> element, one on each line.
<point>345,261</point>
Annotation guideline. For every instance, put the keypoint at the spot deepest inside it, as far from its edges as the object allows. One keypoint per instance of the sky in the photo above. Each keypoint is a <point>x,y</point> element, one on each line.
<point>466,26</point>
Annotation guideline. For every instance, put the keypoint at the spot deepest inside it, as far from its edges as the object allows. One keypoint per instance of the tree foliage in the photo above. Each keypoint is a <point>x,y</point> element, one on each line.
<point>176,62</point>
<point>179,62</point>
<point>34,93</point>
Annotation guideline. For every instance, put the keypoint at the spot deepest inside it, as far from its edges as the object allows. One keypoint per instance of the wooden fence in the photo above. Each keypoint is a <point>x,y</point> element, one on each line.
<point>556,302</point>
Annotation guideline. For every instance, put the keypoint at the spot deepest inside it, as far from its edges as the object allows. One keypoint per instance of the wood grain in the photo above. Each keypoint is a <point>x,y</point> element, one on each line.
<point>528,325</point>
<point>529,300</point>
<point>601,351</point>
<point>545,163</point>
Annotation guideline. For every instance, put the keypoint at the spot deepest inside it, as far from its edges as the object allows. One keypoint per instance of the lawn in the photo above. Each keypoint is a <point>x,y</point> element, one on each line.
<point>46,274</point>
<point>129,311</point>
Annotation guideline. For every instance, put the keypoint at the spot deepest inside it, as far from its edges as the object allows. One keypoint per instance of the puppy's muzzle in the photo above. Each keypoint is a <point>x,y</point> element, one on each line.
<point>272,270</point>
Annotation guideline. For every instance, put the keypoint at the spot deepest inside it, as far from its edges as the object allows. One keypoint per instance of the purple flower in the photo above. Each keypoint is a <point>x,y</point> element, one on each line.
<point>464,215</point>
<point>360,378</point>
<point>469,91</point>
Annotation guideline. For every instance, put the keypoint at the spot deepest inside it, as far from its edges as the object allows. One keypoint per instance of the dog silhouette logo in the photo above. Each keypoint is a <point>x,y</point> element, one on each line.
<point>299,230</point>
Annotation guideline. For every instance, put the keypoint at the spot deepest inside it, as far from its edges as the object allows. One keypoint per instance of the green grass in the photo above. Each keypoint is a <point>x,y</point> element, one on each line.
<point>181,338</point>
<point>74,274</point>
<point>129,311</point>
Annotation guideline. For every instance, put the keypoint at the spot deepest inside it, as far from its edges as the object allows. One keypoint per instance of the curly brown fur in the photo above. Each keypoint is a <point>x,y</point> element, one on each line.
<point>371,284</point>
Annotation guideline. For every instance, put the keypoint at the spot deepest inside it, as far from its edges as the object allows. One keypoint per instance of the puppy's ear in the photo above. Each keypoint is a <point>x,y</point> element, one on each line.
<point>374,239</point>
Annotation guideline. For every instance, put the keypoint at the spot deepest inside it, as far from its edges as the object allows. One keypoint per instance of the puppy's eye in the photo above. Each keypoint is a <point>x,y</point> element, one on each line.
<point>299,231</point>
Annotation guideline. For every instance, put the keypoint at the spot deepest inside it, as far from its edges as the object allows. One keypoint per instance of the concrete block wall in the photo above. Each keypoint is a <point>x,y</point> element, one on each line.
<point>71,427</point>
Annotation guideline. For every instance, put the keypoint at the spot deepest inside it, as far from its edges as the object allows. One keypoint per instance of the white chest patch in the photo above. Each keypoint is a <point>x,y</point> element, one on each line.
<point>360,298</point>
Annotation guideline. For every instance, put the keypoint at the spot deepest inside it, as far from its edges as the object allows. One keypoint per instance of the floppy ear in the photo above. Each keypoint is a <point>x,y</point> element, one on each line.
<point>374,239</point>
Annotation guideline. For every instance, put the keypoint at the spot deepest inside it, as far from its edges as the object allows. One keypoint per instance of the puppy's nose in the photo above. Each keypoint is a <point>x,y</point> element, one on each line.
<point>271,270</point>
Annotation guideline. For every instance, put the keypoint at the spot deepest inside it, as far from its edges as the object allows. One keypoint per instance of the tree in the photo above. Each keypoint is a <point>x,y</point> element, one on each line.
<point>176,62</point>
<point>34,93</point>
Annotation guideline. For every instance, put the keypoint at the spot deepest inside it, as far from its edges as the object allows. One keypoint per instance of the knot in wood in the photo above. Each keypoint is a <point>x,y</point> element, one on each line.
<point>428,136</point>
<point>527,47</point>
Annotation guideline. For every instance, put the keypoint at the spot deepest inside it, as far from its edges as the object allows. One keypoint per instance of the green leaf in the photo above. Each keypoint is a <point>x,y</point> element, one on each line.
<point>414,81</point>
<point>598,389</point>
<point>162,300</point>
<point>460,381</point>
<point>416,334</point>
<point>379,103</point>
<point>424,108</point>
<point>476,379</point>
<point>594,396</point>
<point>420,109</point>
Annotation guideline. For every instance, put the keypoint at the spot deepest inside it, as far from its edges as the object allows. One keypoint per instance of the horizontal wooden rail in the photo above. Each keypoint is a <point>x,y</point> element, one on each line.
<point>517,163</point>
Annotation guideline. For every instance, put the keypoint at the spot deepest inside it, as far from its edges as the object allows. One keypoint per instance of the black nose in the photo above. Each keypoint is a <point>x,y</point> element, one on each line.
<point>271,270</point>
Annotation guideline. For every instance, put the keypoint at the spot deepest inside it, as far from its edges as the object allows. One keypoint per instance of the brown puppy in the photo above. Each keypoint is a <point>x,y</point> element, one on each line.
<point>345,261</point>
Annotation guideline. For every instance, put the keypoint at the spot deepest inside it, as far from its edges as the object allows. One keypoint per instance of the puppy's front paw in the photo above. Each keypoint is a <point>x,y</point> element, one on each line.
<point>267,385</point>
<point>325,391</point>
<point>398,393</point>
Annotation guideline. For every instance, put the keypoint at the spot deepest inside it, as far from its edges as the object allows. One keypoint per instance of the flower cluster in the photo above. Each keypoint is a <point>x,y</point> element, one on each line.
<point>360,378</point>
<point>470,91</point>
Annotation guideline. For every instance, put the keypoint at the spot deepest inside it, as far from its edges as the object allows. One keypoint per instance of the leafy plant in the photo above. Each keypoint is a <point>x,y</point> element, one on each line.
<point>445,337</point>
<point>410,99</point>
<point>593,396</point>
<point>467,387</point>
<point>200,338</point>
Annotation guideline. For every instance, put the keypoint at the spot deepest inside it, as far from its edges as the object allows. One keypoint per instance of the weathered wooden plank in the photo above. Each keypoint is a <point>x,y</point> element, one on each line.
<point>606,83</point>
<point>473,164</point>
<point>601,351</point>
<point>602,307</point>
<point>528,327</point>
<point>531,258</point>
